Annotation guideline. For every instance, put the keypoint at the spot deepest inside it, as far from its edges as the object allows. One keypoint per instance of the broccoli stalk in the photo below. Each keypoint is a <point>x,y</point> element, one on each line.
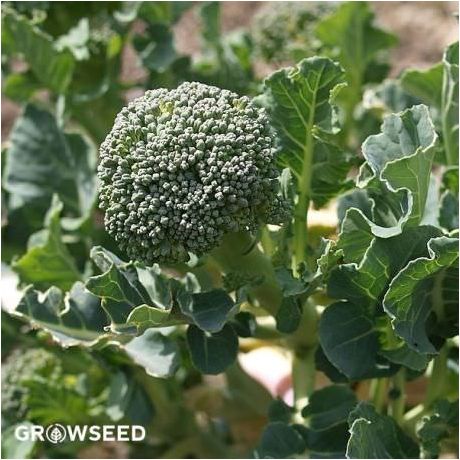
<point>233,256</point>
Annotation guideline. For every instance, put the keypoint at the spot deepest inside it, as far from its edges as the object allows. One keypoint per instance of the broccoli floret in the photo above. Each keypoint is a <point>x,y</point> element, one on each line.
<point>19,368</point>
<point>284,31</point>
<point>181,168</point>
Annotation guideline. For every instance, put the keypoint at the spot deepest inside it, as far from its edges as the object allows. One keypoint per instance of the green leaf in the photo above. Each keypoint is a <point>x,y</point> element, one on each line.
<point>442,424</point>
<point>404,356</point>
<point>425,84</point>
<point>288,315</point>
<point>449,207</point>
<point>279,440</point>
<point>448,212</point>
<point>363,282</point>
<point>391,96</point>
<point>438,87</point>
<point>52,67</point>
<point>155,352</point>
<point>279,411</point>
<point>20,86</point>
<point>210,18</point>
<point>42,160</point>
<point>365,279</point>
<point>212,353</point>
<point>325,366</point>
<point>127,400</point>
<point>156,48</point>
<point>226,58</point>
<point>399,161</point>
<point>377,436</point>
<point>47,261</point>
<point>417,290</point>
<point>134,297</point>
<point>349,34</point>
<point>208,310</point>
<point>299,99</point>
<point>349,339</point>
<point>327,414</point>
<point>11,448</point>
<point>52,401</point>
<point>72,319</point>
<point>162,12</point>
<point>449,104</point>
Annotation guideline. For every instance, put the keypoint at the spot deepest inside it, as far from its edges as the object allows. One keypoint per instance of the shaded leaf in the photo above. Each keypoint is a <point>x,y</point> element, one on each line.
<point>156,353</point>
<point>279,411</point>
<point>424,84</point>
<point>377,436</point>
<point>327,414</point>
<point>51,66</point>
<point>279,440</point>
<point>348,339</point>
<point>127,400</point>
<point>442,424</point>
<point>208,310</point>
<point>212,353</point>
<point>417,290</point>
<point>74,319</point>
<point>43,160</point>
<point>288,315</point>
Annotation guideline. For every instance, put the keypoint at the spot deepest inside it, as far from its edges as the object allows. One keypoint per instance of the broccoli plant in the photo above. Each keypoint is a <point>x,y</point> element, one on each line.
<point>244,268</point>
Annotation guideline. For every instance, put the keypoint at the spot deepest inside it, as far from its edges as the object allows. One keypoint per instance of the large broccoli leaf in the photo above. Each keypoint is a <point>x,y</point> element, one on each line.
<point>377,436</point>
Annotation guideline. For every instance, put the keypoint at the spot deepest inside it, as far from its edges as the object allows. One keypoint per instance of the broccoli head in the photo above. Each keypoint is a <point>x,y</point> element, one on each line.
<point>19,368</point>
<point>181,168</point>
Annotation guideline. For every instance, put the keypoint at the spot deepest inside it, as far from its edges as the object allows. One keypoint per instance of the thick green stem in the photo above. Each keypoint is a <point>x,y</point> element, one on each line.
<point>304,341</point>
<point>301,210</point>
<point>398,400</point>
<point>232,256</point>
<point>303,375</point>
<point>434,391</point>
<point>412,417</point>
<point>378,393</point>
<point>438,378</point>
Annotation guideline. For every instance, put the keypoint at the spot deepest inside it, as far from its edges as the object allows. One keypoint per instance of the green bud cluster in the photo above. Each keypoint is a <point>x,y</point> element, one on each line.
<point>284,31</point>
<point>182,168</point>
<point>19,368</point>
<point>233,281</point>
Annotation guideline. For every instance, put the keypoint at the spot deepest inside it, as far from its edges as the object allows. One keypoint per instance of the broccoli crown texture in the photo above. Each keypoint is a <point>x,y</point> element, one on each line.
<point>181,168</point>
<point>20,367</point>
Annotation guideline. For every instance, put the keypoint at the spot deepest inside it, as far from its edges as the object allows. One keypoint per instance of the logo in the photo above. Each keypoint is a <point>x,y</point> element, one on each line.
<point>57,433</point>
